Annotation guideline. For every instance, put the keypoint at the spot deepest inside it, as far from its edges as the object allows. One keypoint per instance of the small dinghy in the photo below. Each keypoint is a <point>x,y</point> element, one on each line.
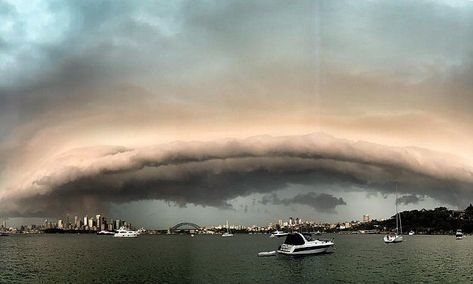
<point>267,253</point>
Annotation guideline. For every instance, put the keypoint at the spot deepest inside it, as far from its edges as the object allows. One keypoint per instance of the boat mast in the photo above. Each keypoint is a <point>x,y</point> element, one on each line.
<point>397,221</point>
<point>399,214</point>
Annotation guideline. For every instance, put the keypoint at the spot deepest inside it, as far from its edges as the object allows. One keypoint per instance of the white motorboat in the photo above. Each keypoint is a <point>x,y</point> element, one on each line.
<point>104,232</point>
<point>125,233</point>
<point>277,234</point>
<point>397,236</point>
<point>459,234</point>
<point>411,233</point>
<point>303,244</point>
<point>227,233</point>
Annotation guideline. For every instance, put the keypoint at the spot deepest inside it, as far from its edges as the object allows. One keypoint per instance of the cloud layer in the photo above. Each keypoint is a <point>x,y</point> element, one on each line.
<point>211,173</point>
<point>322,202</point>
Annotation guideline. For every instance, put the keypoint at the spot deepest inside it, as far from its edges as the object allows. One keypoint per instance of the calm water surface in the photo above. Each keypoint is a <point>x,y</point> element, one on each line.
<point>212,259</point>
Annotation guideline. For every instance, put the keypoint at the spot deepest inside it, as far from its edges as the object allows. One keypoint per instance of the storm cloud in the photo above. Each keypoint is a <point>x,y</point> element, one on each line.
<point>211,173</point>
<point>322,202</point>
<point>75,76</point>
<point>410,199</point>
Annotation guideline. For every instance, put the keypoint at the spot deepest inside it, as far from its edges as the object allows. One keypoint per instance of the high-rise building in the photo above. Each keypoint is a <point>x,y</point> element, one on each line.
<point>366,218</point>
<point>291,221</point>
<point>60,225</point>
<point>280,222</point>
<point>91,224</point>
<point>98,221</point>
<point>4,224</point>
<point>67,223</point>
<point>76,222</point>
<point>86,221</point>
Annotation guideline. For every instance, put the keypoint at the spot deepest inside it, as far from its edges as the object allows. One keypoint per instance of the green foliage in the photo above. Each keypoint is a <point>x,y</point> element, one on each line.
<point>437,221</point>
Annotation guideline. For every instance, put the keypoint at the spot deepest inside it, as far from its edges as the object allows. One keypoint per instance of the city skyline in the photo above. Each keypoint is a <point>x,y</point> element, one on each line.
<point>157,111</point>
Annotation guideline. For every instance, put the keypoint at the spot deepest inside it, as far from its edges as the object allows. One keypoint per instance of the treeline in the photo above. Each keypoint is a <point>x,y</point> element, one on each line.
<point>437,221</point>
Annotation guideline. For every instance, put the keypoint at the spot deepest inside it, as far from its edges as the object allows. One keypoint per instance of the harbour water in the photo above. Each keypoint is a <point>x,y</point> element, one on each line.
<point>72,258</point>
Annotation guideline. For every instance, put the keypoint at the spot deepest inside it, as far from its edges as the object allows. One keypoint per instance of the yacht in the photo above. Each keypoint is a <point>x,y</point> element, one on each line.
<point>397,236</point>
<point>459,234</point>
<point>411,233</point>
<point>227,233</point>
<point>125,233</point>
<point>303,244</point>
<point>276,234</point>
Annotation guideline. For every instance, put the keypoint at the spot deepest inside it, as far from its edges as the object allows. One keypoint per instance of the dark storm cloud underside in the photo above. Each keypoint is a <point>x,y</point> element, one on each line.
<point>211,179</point>
<point>322,202</point>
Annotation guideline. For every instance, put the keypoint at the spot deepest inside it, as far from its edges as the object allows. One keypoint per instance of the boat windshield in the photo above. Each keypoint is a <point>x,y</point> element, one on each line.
<point>308,237</point>
<point>294,239</point>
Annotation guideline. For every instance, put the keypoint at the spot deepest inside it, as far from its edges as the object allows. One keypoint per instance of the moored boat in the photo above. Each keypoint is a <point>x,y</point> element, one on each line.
<point>276,234</point>
<point>227,233</point>
<point>125,233</point>
<point>397,236</point>
<point>303,244</point>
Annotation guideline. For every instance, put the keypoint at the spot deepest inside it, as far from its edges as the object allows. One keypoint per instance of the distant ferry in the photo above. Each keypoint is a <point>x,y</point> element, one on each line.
<point>125,233</point>
<point>104,232</point>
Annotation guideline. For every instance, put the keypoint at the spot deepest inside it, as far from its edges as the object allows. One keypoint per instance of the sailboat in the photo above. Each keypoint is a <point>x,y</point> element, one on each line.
<point>227,233</point>
<point>396,237</point>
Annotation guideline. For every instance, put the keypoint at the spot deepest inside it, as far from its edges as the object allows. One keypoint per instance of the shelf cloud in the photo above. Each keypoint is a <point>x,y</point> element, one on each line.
<point>212,173</point>
<point>322,202</point>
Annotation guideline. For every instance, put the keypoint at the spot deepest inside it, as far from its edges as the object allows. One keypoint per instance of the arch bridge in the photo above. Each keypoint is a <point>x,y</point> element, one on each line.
<point>184,227</point>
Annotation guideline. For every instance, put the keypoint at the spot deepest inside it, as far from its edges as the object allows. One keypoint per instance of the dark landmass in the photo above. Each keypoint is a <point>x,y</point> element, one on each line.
<point>437,221</point>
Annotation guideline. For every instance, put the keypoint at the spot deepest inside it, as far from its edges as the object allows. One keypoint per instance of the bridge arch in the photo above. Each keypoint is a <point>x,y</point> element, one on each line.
<point>184,226</point>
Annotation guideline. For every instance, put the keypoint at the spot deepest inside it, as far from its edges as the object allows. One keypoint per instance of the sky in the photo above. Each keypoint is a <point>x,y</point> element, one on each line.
<point>161,112</point>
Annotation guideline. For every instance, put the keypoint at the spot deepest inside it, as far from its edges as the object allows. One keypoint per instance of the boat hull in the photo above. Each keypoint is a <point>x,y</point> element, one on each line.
<point>125,235</point>
<point>392,240</point>
<point>304,250</point>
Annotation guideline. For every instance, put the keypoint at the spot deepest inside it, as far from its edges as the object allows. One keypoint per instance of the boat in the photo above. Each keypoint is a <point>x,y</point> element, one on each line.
<point>104,232</point>
<point>459,234</point>
<point>4,234</point>
<point>227,233</point>
<point>302,244</point>
<point>411,233</point>
<point>267,253</point>
<point>125,233</point>
<point>276,234</point>
<point>397,236</point>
